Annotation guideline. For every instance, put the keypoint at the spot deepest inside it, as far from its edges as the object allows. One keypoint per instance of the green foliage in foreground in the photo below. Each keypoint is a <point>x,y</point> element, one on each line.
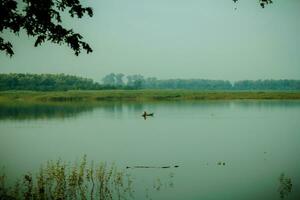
<point>285,187</point>
<point>137,95</point>
<point>60,181</point>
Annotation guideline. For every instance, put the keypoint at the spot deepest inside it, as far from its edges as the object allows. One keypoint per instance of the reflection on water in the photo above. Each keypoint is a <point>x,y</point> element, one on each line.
<point>224,149</point>
<point>66,110</point>
<point>41,111</point>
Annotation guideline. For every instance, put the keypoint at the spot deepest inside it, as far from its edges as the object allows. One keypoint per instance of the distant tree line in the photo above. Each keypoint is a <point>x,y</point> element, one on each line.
<point>56,82</point>
<point>139,82</point>
<point>267,85</point>
<point>46,82</point>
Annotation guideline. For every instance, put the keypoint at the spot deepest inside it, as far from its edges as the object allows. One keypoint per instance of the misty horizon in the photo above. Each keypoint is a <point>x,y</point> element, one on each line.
<point>205,39</point>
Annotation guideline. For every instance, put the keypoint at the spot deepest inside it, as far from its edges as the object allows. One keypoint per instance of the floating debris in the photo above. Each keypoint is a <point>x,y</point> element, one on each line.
<point>163,167</point>
<point>221,163</point>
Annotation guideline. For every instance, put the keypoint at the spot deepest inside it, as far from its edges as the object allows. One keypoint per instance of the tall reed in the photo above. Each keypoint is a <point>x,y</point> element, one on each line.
<point>59,181</point>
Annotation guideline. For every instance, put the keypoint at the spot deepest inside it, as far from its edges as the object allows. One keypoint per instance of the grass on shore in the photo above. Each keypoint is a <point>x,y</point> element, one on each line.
<point>140,95</point>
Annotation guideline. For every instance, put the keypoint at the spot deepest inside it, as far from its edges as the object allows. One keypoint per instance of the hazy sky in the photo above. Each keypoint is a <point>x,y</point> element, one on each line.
<point>174,39</point>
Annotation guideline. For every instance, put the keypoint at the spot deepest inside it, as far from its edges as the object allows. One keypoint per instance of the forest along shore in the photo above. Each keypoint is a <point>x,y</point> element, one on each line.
<point>141,95</point>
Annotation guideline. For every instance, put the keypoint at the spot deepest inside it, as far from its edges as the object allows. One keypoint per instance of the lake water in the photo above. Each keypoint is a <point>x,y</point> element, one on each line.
<point>256,140</point>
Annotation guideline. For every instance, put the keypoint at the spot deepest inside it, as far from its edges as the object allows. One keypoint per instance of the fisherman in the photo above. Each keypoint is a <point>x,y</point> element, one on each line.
<point>145,114</point>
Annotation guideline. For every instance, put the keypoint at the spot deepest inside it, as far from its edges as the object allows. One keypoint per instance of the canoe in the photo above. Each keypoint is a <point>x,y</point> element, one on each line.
<point>148,114</point>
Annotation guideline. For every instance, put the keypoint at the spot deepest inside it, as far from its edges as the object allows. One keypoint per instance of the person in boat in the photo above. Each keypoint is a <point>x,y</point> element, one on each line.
<point>145,114</point>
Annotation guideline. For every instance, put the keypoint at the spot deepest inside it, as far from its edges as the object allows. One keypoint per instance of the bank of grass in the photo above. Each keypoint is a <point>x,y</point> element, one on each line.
<point>141,95</point>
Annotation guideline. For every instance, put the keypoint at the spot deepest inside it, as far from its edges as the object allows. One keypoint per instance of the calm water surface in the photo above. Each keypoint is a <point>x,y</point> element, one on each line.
<point>257,141</point>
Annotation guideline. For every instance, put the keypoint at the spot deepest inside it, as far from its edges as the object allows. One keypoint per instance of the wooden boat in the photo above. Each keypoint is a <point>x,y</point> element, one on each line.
<point>147,114</point>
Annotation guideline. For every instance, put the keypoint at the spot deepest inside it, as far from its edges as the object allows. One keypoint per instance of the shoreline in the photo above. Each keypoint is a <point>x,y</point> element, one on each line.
<point>141,96</point>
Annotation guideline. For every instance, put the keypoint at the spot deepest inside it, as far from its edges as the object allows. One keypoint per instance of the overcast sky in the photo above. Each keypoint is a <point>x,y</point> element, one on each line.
<point>174,39</point>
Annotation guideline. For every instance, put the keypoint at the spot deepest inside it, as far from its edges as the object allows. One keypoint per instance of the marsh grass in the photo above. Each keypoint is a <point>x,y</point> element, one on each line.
<point>285,186</point>
<point>139,95</point>
<point>59,180</point>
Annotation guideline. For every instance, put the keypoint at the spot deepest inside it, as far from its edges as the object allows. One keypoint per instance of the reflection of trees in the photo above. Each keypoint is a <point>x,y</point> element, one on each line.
<point>268,104</point>
<point>39,111</point>
<point>285,186</point>
<point>24,111</point>
<point>119,108</point>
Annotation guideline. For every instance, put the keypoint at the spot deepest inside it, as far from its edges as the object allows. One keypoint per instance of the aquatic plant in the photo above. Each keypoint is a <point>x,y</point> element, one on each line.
<point>59,181</point>
<point>285,186</point>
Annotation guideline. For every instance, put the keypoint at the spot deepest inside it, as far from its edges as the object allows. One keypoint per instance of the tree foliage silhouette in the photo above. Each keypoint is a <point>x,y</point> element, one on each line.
<point>42,20</point>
